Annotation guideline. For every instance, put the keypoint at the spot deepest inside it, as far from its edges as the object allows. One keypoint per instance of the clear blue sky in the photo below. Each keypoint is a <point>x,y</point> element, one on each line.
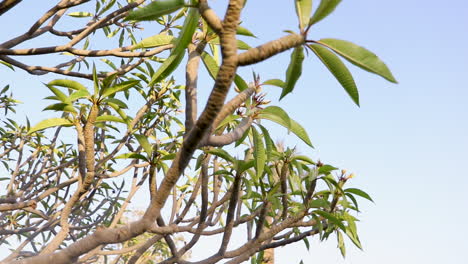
<point>407,143</point>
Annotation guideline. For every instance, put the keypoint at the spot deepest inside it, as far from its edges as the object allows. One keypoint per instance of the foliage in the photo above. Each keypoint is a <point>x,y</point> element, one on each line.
<point>121,128</point>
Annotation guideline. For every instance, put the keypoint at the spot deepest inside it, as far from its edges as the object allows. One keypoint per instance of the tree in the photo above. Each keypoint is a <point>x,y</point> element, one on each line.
<point>65,199</point>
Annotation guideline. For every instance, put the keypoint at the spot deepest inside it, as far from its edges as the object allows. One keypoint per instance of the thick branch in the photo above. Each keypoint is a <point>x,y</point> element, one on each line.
<point>230,215</point>
<point>233,104</point>
<point>15,206</point>
<point>191,78</point>
<point>215,102</point>
<point>270,49</point>
<point>7,5</point>
<point>231,137</point>
<point>210,16</point>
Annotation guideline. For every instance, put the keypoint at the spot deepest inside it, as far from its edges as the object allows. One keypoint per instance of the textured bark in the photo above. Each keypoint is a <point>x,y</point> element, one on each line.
<point>270,49</point>
<point>269,254</point>
<point>215,102</point>
<point>191,79</point>
<point>228,138</point>
<point>7,5</point>
<point>197,130</point>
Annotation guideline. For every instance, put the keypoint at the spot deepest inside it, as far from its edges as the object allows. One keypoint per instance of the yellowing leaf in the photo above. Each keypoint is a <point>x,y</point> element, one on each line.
<point>155,41</point>
<point>80,14</point>
<point>51,122</point>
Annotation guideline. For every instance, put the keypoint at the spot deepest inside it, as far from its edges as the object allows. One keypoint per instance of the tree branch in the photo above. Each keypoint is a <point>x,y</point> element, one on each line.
<point>6,5</point>
<point>210,16</point>
<point>230,214</point>
<point>269,49</point>
<point>229,138</point>
<point>191,78</point>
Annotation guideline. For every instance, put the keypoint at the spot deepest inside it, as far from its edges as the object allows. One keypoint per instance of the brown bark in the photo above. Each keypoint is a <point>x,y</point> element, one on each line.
<point>270,49</point>
<point>6,5</point>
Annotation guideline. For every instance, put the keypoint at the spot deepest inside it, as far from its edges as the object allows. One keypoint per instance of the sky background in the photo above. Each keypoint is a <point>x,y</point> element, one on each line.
<point>407,143</point>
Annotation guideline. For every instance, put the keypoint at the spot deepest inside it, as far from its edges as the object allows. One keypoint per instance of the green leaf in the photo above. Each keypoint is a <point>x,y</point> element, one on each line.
<point>268,141</point>
<point>307,244</point>
<point>59,94</point>
<point>304,158</point>
<point>95,81</point>
<point>275,82</point>
<point>279,116</point>
<point>5,89</point>
<point>359,192</point>
<point>227,120</point>
<point>351,231</point>
<point>294,70</point>
<point>303,10</point>
<point>331,218</point>
<point>177,53</point>
<point>78,94</point>
<point>144,143</point>
<point>259,153</point>
<point>106,82</point>
<point>210,64</point>
<point>109,118</point>
<point>107,7</point>
<point>51,122</point>
<point>319,203</point>
<point>353,199</point>
<point>169,156</point>
<point>242,139</point>
<point>199,161</point>
<point>240,44</point>
<point>64,107</point>
<point>244,165</point>
<point>359,56</point>
<point>338,69</point>
<point>117,102</point>
<point>325,8</point>
<point>111,64</point>
<point>119,111</point>
<point>108,91</point>
<point>131,155</point>
<point>222,154</point>
<point>155,41</point>
<point>8,65</point>
<point>240,83</point>
<point>155,9</point>
<point>68,84</point>
<point>245,32</point>
<point>80,14</point>
<point>169,65</point>
<point>341,244</point>
<point>326,169</point>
